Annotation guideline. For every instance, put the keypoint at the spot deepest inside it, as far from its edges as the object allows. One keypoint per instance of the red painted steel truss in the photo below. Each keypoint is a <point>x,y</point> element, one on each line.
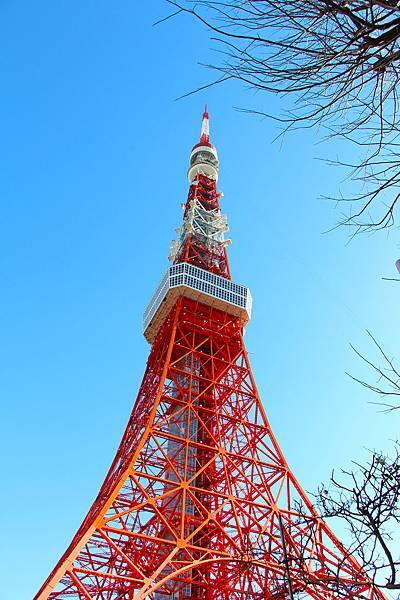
<point>195,250</point>
<point>200,502</point>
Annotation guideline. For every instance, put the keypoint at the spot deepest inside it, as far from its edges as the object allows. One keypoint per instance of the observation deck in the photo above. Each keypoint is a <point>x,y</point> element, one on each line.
<point>184,279</point>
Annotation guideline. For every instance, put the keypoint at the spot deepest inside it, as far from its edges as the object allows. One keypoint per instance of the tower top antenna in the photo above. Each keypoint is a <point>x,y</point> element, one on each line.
<point>204,157</point>
<point>205,127</point>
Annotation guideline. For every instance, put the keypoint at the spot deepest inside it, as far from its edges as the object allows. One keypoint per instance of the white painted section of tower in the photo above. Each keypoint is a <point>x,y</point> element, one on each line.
<point>203,160</point>
<point>208,225</point>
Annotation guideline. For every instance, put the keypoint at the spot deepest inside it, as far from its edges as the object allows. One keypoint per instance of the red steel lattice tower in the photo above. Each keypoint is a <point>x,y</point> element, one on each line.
<point>199,501</point>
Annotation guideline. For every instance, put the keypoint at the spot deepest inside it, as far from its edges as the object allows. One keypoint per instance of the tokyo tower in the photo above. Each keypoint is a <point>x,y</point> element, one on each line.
<point>199,501</point>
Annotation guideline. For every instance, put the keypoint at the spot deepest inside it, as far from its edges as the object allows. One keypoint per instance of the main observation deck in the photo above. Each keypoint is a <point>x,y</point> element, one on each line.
<point>184,279</point>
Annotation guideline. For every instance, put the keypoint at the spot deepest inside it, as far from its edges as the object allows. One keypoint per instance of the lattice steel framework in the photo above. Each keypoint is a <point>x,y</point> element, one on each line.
<point>199,501</point>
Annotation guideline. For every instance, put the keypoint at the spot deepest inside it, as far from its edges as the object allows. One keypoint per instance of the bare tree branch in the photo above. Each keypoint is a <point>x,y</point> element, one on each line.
<point>367,500</point>
<point>340,60</point>
<point>388,377</point>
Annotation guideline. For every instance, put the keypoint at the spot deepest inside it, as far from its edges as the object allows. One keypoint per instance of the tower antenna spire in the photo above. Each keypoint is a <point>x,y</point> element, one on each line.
<point>205,127</point>
<point>204,156</point>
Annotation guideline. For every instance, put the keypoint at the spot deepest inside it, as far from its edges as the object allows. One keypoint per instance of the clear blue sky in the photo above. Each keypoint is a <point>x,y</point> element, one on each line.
<point>93,157</point>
